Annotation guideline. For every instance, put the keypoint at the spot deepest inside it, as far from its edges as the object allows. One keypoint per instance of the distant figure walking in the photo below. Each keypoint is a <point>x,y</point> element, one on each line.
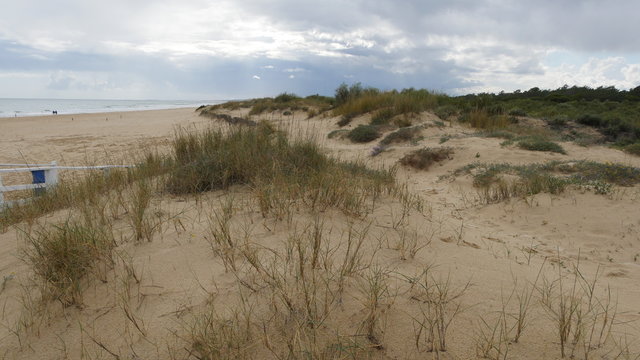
<point>55,112</point>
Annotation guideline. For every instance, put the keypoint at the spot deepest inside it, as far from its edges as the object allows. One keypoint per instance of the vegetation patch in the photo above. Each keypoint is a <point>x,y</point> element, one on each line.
<point>423,158</point>
<point>279,171</point>
<point>633,149</point>
<point>444,112</point>
<point>535,143</point>
<point>78,192</point>
<point>517,112</point>
<point>552,177</point>
<point>364,134</point>
<point>232,120</point>
<point>61,256</point>
<point>283,102</point>
<point>356,100</point>
<point>345,119</point>
<point>382,116</point>
<point>405,134</point>
<point>482,119</point>
<point>340,133</point>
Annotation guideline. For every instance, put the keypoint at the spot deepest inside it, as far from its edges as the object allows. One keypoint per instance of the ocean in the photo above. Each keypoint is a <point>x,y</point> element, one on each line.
<point>35,107</point>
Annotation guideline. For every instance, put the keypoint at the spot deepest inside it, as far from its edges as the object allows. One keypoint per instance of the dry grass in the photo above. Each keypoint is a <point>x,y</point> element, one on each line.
<point>423,158</point>
<point>480,119</point>
<point>61,256</point>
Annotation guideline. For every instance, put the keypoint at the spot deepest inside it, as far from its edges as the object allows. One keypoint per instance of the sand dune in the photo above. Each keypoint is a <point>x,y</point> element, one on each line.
<point>491,253</point>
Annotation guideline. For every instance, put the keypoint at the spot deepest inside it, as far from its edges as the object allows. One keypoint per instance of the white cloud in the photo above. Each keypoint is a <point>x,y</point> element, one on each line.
<point>454,45</point>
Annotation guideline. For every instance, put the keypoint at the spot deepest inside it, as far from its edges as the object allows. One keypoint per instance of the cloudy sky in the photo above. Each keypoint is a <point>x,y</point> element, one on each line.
<point>219,49</point>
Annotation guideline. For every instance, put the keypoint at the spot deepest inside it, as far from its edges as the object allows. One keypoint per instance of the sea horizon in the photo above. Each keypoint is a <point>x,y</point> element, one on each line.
<point>22,107</point>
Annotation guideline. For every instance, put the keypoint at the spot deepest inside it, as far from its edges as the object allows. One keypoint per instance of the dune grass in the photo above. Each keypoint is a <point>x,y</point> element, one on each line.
<point>61,255</point>
<point>274,167</point>
<point>552,177</point>
<point>537,143</point>
<point>364,134</point>
<point>482,119</point>
<point>386,105</point>
<point>284,102</point>
<point>405,134</point>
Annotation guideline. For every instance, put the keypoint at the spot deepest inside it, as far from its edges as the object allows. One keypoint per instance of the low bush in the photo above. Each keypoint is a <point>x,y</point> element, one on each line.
<point>590,120</point>
<point>402,135</point>
<point>558,122</point>
<point>286,97</point>
<point>535,143</point>
<point>444,112</point>
<point>591,171</point>
<point>633,149</point>
<point>517,112</point>
<point>423,158</point>
<point>551,177</point>
<point>364,134</point>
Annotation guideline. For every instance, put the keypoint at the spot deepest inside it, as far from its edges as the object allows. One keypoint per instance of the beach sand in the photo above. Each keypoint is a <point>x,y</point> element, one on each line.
<point>88,138</point>
<point>497,250</point>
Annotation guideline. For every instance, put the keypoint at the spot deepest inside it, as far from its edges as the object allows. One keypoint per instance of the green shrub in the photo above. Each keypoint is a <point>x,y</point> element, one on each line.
<point>590,171</point>
<point>444,112</point>
<point>495,109</point>
<point>345,93</point>
<point>590,120</point>
<point>633,149</point>
<point>401,135</point>
<point>517,112</point>
<point>259,108</point>
<point>423,158</point>
<point>558,122</point>
<point>403,121</point>
<point>286,97</point>
<point>540,144</point>
<point>364,133</point>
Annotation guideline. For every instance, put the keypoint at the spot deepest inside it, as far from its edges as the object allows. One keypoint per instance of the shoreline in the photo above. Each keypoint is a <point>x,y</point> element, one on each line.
<point>92,114</point>
<point>97,112</point>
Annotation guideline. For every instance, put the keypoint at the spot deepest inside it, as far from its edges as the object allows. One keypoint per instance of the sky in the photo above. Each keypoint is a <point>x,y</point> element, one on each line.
<point>206,49</point>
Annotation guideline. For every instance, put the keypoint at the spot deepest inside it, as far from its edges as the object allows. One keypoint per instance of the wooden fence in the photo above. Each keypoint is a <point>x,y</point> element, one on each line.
<point>44,176</point>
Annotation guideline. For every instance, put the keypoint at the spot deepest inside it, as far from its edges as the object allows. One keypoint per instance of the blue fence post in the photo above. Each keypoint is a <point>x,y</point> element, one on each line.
<point>49,177</point>
<point>38,178</point>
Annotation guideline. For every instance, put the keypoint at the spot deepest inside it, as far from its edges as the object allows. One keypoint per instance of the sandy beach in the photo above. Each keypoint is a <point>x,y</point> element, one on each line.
<point>493,252</point>
<point>88,138</point>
